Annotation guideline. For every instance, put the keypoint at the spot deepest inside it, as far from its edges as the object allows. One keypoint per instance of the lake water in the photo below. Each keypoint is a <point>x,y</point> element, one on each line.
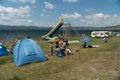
<point>35,34</point>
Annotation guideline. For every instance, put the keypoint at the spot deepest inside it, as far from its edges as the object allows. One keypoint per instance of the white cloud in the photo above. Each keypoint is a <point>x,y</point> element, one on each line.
<point>29,20</point>
<point>24,1</point>
<point>70,1</point>
<point>13,12</point>
<point>93,20</point>
<point>89,10</point>
<point>31,1</point>
<point>22,22</point>
<point>42,14</point>
<point>101,20</point>
<point>71,16</point>
<point>10,15</point>
<point>49,5</point>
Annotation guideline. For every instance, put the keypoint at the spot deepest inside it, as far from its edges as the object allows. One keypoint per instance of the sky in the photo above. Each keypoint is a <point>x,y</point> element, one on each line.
<point>46,13</point>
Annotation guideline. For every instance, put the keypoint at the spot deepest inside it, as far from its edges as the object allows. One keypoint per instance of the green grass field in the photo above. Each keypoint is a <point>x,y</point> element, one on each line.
<point>102,63</point>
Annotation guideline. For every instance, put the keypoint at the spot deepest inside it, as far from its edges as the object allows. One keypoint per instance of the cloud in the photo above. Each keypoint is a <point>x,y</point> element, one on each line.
<point>31,1</point>
<point>13,12</point>
<point>24,1</point>
<point>10,15</point>
<point>70,1</point>
<point>89,10</point>
<point>42,14</point>
<point>92,20</point>
<point>71,16</point>
<point>49,5</point>
<point>29,20</point>
<point>101,20</point>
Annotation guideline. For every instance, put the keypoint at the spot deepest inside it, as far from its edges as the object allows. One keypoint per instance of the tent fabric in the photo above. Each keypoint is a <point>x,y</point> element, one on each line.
<point>3,50</point>
<point>27,51</point>
<point>85,39</point>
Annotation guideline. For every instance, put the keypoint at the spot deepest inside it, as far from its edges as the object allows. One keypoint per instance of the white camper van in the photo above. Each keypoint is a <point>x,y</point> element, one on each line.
<point>100,34</point>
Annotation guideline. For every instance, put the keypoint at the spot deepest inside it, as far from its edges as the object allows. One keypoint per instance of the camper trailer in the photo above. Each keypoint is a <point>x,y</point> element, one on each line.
<point>100,34</point>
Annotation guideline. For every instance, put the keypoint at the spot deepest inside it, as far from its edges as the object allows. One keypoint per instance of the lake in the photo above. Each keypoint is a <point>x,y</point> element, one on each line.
<point>36,34</point>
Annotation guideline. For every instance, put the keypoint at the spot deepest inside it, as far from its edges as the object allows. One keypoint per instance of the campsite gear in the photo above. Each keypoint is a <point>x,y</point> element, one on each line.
<point>3,50</point>
<point>85,40</point>
<point>27,51</point>
<point>68,51</point>
<point>59,55</point>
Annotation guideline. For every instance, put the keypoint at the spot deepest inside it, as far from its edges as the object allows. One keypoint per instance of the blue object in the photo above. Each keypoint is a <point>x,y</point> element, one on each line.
<point>60,55</point>
<point>47,38</point>
<point>85,39</point>
<point>27,51</point>
<point>3,50</point>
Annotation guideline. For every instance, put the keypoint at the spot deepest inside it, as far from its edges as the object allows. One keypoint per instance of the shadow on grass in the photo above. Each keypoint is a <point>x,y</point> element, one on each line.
<point>118,78</point>
<point>15,78</point>
<point>6,59</point>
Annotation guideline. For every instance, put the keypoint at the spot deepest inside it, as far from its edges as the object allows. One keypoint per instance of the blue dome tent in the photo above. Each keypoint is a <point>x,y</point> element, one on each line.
<point>86,39</point>
<point>3,50</point>
<point>27,51</point>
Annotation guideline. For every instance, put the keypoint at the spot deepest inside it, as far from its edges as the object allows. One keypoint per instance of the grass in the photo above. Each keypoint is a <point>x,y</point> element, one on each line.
<point>102,63</point>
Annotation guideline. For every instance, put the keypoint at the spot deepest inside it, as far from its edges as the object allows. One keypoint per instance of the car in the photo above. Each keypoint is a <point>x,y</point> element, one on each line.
<point>100,34</point>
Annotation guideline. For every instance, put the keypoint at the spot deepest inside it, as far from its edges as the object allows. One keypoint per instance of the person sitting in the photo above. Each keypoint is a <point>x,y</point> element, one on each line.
<point>63,48</point>
<point>90,46</point>
<point>68,51</point>
<point>57,50</point>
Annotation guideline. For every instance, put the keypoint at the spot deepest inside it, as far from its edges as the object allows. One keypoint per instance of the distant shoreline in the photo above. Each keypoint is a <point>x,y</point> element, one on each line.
<point>7,27</point>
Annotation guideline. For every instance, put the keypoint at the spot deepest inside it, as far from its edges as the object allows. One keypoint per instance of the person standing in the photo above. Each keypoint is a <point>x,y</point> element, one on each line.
<point>105,39</point>
<point>51,49</point>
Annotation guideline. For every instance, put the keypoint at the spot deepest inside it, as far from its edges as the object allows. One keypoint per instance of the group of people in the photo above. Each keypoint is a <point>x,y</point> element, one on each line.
<point>61,47</point>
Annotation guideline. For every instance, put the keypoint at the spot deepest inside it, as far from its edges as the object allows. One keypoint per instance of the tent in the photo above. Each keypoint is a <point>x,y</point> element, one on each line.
<point>3,50</point>
<point>27,51</point>
<point>85,39</point>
